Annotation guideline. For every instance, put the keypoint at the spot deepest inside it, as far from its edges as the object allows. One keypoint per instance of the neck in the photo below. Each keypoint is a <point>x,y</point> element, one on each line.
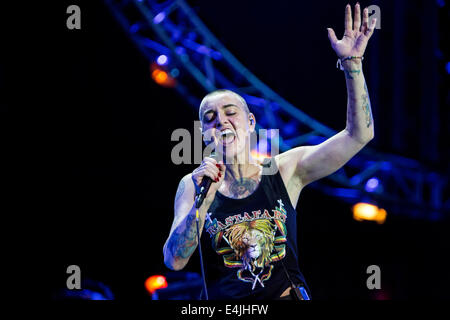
<point>238,170</point>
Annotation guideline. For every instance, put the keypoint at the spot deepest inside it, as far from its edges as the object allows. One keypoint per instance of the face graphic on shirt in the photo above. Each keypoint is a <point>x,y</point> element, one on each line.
<point>251,242</point>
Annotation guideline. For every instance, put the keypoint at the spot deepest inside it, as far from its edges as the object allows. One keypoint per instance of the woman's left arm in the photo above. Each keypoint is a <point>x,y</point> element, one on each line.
<point>351,49</point>
<point>315,162</point>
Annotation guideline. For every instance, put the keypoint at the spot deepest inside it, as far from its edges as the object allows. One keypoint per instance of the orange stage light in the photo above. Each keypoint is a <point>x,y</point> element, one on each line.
<point>154,283</point>
<point>366,211</point>
<point>259,156</point>
<point>161,77</point>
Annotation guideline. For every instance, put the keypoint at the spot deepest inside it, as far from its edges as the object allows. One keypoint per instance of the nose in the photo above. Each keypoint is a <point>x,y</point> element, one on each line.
<point>221,119</point>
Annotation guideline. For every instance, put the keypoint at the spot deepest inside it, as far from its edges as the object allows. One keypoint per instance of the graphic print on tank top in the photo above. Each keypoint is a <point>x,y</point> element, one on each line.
<point>250,242</point>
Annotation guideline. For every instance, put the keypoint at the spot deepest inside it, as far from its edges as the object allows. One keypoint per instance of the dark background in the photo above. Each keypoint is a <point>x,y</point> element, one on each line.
<point>100,139</point>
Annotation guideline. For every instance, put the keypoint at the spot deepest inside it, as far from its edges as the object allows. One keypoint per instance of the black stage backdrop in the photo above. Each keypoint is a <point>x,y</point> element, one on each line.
<point>101,146</point>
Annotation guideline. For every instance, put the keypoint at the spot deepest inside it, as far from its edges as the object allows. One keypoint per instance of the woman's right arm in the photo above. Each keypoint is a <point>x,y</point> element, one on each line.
<point>182,240</point>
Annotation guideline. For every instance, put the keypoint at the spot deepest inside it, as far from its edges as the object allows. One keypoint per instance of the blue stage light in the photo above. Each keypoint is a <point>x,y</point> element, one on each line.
<point>440,3</point>
<point>159,18</point>
<point>372,184</point>
<point>162,60</point>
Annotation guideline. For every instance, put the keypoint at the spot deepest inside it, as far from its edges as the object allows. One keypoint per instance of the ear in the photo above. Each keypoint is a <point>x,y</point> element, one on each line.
<point>251,122</point>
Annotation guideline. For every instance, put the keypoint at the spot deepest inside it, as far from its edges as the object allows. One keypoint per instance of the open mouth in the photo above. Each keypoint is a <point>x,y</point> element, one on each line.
<point>227,137</point>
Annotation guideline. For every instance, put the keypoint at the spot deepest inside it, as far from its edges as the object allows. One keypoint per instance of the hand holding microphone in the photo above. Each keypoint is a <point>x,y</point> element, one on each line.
<point>208,178</point>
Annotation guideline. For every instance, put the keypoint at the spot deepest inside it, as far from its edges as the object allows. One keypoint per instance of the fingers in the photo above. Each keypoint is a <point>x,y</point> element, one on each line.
<point>210,160</point>
<point>332,36</point>
<point>221,168</point>
<point>348,20</point>
<point>210,168</point>
<point>219,164</point>
<point>213,174</point>
<point>204,171</point>
<point>365,23</point>
<point>357,18</point>
<point>212,171</point>
<point>371,28</point>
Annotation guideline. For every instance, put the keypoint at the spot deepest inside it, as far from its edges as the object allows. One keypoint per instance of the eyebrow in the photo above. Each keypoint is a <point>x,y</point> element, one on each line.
<point>229,105</point>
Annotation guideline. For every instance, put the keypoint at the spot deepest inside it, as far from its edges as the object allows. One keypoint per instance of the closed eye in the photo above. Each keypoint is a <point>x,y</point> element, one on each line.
<point>208,117</point>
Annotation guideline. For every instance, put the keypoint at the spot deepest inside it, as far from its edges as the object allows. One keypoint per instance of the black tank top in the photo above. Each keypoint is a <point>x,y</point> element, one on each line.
<point>246,241</point>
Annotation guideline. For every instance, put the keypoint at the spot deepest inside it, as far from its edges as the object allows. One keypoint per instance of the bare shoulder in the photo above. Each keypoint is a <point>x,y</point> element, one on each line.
<point>289,162</point>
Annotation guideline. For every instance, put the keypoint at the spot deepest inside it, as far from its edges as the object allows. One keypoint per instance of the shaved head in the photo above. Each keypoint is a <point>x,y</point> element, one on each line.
<point>219,92</point>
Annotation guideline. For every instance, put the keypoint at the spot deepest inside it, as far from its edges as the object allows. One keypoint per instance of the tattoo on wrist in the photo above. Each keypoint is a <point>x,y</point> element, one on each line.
<point>349,72</point>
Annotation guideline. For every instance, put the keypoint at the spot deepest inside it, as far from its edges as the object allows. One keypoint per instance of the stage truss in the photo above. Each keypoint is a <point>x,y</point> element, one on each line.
<point>173,29</point>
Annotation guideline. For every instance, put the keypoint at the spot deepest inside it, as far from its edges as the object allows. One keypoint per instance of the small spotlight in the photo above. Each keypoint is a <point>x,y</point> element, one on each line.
<point>372,184</point>
<point>161,77</point>
<point>159,18</point>
<point>154,283</point>
<point>366,211</point>
<point>162,60</point>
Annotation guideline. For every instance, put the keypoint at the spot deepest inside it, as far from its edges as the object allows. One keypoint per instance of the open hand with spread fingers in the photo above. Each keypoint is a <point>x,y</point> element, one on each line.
<point>356,35</point>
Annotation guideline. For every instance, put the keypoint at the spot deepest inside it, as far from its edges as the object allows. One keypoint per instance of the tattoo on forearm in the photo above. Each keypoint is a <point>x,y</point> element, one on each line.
<point>242,187</point>
<point>180,190</point>
<point>349,72</point>
<point>183,241</point>
<point>366,106</point>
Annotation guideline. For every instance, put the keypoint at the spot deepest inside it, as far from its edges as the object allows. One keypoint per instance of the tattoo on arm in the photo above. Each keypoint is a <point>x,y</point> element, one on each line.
<point>242,187</point>
<point>348,73</point>
<point>366,106</point>
<point>183,241</point>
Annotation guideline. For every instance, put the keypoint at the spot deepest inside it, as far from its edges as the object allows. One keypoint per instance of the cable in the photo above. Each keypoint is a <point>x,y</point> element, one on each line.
<point>298,292</point>
<point>285,270</point>
<point>200,253</point>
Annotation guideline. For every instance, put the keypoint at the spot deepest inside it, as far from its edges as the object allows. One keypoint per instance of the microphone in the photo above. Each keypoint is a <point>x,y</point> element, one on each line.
<point>200,196</point>
<point>204,186</point>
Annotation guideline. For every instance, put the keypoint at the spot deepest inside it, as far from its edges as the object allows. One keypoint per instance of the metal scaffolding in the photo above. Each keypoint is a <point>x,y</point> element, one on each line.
<point>172,28</point>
